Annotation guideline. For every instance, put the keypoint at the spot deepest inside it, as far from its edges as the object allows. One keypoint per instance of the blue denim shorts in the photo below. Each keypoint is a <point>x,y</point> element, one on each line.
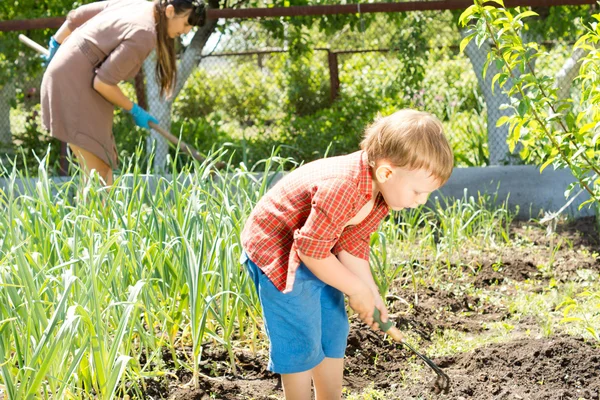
<point>303,326</point>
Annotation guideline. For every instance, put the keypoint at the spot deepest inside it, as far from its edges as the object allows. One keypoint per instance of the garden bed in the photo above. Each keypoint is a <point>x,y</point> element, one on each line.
<point>474,320</point>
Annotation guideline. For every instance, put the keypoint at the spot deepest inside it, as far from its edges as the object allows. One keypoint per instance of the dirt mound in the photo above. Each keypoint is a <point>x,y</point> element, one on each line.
<point>497,273</point>
<point>436,310</point>
<point>540,369</point>
<point>534,369</point>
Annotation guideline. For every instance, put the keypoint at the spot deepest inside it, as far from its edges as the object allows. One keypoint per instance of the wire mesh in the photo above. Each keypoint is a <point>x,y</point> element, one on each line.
<point>309,85</point>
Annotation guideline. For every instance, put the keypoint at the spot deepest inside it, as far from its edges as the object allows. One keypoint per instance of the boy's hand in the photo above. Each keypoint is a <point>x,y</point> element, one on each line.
<point>363,303</point>
<point>380,305</point>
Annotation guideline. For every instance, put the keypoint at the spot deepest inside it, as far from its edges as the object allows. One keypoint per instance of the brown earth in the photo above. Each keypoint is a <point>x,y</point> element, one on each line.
<point>558,367</point>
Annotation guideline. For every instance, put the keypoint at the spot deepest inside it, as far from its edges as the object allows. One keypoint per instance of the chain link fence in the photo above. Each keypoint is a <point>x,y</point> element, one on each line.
<point>309,85</point>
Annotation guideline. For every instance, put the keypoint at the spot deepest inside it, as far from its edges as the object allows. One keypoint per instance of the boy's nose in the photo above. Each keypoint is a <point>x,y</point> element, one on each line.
<point>422,199</point>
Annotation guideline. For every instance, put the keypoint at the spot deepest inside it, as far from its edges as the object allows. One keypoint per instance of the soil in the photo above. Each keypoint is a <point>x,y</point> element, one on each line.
<point>559,367</point>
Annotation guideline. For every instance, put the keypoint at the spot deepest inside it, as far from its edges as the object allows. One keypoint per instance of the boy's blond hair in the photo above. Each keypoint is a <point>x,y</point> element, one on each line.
<point>410,139</point>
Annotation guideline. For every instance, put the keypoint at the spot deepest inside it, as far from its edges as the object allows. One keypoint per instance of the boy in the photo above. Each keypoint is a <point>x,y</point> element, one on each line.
<point>307,244</point>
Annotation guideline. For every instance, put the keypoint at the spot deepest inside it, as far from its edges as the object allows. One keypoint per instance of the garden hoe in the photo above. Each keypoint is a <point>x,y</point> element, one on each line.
<point>166,134</point>
<point>442,382</point>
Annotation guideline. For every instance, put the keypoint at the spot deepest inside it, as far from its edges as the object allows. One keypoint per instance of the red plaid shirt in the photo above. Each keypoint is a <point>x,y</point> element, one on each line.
<point>306,212</point>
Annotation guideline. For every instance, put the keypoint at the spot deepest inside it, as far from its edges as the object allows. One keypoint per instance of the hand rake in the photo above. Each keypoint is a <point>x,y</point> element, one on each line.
<point>442,382</point>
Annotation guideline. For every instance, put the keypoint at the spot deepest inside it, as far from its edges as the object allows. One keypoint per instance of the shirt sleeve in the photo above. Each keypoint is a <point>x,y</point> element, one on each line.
<point>333,204</point>
<point>80,15</point>
<point>127,58</point>
<point>356,242</point>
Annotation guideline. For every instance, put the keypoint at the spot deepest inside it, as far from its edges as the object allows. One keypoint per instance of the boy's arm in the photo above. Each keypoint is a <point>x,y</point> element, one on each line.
<point>331,271</point>
<point>361,269</point>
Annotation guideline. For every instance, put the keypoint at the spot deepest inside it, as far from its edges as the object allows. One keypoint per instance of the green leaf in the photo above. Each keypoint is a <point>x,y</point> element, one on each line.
<point>486,65</point>
<point>580,41</point>
<point>467,15</point>
<point>523,108</point>
<point>570,319</point>
<point>587,127</point>
<point>466,40</point>
<point>543,167</point>
<point>585,203</point>
<point>593,332</point>
<point>525,15</point>
<point>566,302</point>
<point>502,120</point>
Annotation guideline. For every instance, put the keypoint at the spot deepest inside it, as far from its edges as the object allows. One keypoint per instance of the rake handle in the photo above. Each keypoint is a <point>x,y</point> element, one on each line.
<point>34,45</point>
<point>173,139</point>
<point>388,327</point>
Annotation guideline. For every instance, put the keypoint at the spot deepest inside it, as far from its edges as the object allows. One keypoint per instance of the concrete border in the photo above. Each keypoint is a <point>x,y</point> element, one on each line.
<point>532,192</point>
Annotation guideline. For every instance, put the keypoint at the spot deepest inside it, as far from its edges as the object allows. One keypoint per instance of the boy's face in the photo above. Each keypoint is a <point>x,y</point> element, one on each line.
<point>403,188</point>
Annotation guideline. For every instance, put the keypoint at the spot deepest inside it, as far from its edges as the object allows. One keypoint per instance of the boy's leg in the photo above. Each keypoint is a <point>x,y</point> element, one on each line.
<point>328,377</point>
<point>297,386</point>
<point>293,325</point>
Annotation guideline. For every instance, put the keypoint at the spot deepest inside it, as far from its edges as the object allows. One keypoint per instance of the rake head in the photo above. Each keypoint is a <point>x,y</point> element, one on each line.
<point>442,381</point>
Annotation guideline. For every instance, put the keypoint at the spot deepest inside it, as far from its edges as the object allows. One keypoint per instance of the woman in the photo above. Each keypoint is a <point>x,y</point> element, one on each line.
<point>98,46</point>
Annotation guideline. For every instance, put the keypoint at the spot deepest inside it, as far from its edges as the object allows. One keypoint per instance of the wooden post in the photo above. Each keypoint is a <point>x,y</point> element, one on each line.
<point>334,75</point>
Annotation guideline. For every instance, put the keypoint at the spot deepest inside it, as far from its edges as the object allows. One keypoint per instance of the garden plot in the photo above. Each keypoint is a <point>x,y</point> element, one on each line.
<point>495,329</point>
<point>153,271</point>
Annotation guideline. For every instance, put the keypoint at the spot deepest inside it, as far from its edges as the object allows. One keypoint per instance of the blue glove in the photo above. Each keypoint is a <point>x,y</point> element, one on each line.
<point>142,117</point>
<point>53,46</point>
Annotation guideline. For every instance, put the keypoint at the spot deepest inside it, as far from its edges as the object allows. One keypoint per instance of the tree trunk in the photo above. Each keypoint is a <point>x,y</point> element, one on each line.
<point>160,107</point>
<point>568,72</point>
<point>497,136</point>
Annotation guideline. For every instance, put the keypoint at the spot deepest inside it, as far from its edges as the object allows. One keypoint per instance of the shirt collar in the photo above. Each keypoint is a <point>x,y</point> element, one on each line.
<point>365,180</point>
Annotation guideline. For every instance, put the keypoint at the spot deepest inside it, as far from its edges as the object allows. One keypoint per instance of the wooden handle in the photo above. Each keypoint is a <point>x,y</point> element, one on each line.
<point>395,334</point>
<point>34,45</point>
<point>173,139</point>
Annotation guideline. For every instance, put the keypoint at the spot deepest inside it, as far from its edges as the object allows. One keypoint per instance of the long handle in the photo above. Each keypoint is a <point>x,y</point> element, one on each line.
<point>35,46</point>
<point>173,139</point>
<point>165,133</point>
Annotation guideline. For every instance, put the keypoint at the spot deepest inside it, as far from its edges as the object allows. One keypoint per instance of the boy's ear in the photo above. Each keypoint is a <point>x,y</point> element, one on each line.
<point>383,173</point>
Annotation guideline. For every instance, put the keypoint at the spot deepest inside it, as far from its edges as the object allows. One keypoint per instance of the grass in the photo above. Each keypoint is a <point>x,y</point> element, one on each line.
<point>98,285</point>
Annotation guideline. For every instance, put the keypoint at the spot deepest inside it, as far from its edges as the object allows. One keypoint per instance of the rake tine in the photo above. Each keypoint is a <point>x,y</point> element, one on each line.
<point>442,383</point>
<point>445,379</point>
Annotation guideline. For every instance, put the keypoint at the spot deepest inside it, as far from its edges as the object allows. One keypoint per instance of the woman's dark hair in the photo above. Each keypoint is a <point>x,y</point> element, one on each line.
<point>166,65</point>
